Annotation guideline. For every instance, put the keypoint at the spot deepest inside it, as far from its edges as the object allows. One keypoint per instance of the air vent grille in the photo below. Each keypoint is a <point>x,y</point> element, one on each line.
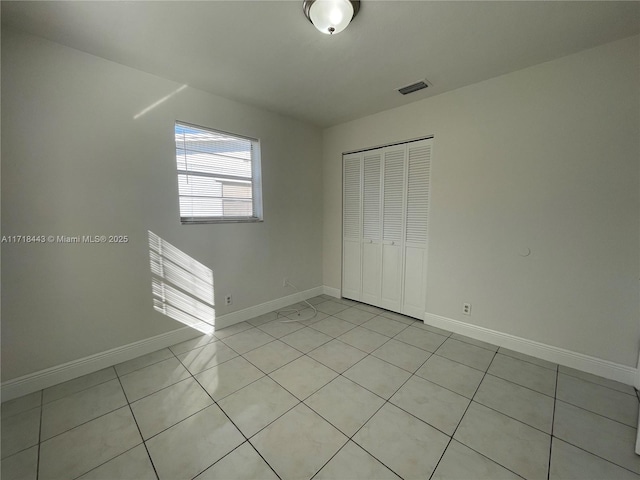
<point>413,88</point>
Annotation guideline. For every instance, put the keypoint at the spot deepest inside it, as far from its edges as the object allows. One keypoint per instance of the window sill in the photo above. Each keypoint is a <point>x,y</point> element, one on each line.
<point>209,221</point>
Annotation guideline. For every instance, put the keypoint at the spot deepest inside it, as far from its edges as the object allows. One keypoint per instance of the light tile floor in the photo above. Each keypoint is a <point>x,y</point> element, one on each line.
<point>354,393</point>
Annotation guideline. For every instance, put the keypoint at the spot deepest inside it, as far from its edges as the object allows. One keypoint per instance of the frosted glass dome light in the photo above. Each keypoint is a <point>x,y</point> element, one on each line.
<point>330,16</point>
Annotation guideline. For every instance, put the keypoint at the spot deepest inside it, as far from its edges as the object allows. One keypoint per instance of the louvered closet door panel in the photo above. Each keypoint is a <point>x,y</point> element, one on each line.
<point>371,241</point>
<point>393,201</point>
<point>351,269</point>
<point>391,288</point>
<point>393,196</point>
<point>371,246</point>
<point>416,233</point>
<point>371,195</point>
<point>419,175</point>
<point>415,276</point>
<point>371,272</point>
<point>352,197</point>
<point>352,227</point>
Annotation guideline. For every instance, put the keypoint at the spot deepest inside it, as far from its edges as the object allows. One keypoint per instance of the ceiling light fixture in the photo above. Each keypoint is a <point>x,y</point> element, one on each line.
<point>330,16</point>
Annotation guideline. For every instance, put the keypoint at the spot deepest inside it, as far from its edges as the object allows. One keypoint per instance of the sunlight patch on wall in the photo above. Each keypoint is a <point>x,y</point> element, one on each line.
<point>182,287</point>
<point>162,100</point>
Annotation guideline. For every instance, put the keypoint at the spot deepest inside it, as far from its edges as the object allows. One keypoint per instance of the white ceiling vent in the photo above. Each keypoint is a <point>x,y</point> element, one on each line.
<point>413,87</point>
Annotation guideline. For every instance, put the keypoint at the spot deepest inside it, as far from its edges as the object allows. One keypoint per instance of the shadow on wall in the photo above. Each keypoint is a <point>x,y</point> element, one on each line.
<point>182,287</point>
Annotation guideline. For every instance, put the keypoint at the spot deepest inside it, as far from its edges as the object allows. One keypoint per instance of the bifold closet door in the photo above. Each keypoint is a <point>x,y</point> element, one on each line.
<point>385,226</point>
<point>352,227</point>
<point>393,220</point>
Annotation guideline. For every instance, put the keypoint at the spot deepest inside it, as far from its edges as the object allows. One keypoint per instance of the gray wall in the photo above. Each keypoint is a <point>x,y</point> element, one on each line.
<point>546,158</point>
<point>75,161</point>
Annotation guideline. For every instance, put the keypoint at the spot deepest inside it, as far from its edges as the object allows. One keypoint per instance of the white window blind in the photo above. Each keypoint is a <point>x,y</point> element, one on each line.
<point>218,175</point>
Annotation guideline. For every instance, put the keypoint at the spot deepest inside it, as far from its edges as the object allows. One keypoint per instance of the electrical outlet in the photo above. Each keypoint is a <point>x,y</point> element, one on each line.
<point>466,308</point>
<point>285,282</point>
<point>228,300</point>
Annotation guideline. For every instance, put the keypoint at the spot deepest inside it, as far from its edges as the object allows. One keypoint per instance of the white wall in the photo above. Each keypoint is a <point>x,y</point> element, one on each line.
<point>75,161</point>
<point>545,158</point>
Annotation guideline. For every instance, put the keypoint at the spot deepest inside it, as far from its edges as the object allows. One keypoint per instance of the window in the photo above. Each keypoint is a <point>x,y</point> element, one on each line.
<point>218,176</point>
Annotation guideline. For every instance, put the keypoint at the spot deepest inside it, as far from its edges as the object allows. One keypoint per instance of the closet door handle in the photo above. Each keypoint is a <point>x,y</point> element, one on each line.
<point>389,242</point>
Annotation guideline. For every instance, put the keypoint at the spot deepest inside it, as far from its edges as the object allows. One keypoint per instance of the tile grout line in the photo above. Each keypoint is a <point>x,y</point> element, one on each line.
<point>598,385</point>
<point>553,421</point>
<point>138,427</point>
<point>596,413</point>
<point>299,401</point>
<point>296,348</point>
<point>474,344</point>
<point>75,426</point>
<point>521,386</point>
<point>39,435</point>
<point>587,451</point>
<point>367,354</point>
<point>324,385</point>
<point>242,355</point>
<point>100,416</point>
<point>246,439</point>
<point>81,390</point>
<point>511,417</point>
<point>514,383</point>
<point>214,403</point>
<point>349,438</point>
<point>463,415</point>
<point>597,456</point>
<point>144,366</point>
<point>436,383</point>
<point>386,401</point>
<point>21,412</point>
<point>555,369</point>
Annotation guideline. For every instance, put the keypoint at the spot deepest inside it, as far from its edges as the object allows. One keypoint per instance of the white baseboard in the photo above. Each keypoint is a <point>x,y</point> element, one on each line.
<point>68,371</point>
<point>332,292</point>
<point>638,437</point>
<point>251,312</point>
<point>579,361</point>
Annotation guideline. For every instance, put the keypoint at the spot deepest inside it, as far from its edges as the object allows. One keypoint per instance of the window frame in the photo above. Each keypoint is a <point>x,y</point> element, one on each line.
<point>256,179</point>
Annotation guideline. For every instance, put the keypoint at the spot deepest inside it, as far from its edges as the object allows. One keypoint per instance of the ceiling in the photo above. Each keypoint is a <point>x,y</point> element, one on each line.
<point>267,54</point>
